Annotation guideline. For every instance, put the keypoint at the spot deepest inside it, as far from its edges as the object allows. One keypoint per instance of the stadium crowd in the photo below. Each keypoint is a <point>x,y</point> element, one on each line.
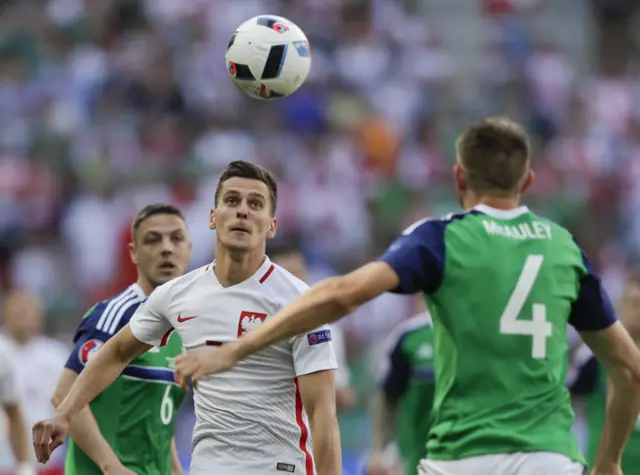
<point>108,105</point>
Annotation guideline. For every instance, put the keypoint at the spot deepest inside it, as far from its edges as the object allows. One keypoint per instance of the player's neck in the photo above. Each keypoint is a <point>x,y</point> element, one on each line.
<point>505,203</point>
<point>145,285</point>
<point>231,268</point>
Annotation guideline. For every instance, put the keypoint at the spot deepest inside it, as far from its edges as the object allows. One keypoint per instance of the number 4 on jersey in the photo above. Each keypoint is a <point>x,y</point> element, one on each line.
<point>538,327</point>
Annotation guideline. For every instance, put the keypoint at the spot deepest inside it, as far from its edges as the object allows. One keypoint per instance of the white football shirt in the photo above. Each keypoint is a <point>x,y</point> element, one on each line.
<point>250,420</point>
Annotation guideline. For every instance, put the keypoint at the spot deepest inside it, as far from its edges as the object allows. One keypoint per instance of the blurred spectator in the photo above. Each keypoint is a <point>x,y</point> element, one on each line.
<point>38,361</point>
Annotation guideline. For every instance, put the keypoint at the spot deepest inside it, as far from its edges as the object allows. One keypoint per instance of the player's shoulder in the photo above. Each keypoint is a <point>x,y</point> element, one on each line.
<point>109,312</point>
<point>283,283</point>
<point>430,225</point>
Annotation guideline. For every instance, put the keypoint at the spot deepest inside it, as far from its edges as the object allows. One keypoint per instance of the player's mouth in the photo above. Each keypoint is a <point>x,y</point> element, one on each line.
<point>168,267</point>
<point>240,229</point>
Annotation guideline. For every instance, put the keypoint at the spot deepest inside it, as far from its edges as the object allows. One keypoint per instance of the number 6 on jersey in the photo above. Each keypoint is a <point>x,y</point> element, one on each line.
<point>538,327</point>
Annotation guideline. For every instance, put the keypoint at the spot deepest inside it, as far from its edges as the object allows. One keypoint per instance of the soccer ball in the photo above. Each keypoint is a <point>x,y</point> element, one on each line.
<point>268,57</point>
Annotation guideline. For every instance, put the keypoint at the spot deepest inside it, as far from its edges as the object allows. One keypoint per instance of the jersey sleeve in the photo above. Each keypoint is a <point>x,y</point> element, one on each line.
<point>592,310</point>
<point>149,324</point>
<point>417,257</point>
<point>394,369</point>
<point>313,352</point>
<point>99,324</point>
<point>8,386</point>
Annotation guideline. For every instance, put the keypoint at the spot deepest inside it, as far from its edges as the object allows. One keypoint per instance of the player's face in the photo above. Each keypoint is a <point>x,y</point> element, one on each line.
<point>242,217</point>
<point>630,309</point>
<point>22,316</point>
<point>162,248</point>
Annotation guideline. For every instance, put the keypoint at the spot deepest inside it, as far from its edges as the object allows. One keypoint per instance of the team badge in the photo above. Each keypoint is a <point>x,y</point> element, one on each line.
<point>89,349</point>
<point>250,320</point>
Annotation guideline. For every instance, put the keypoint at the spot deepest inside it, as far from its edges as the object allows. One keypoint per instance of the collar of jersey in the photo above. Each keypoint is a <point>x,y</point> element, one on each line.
<point>138,291</point>
<point>262,270</point>
<point>501,213</point>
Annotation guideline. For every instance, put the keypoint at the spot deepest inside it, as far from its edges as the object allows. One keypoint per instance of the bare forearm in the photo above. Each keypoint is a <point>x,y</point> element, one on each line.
<point>623,403</point>
<point>326,445</point>
<point>383,422</point>
<point>313,309</point>
<point>18,435</point>
<point>100,372</point>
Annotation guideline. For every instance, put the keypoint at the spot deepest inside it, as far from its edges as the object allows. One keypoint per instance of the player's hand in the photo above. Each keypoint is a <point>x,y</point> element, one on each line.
<point>203,361</point>
<point>377,465</point>
<point>48,435</point>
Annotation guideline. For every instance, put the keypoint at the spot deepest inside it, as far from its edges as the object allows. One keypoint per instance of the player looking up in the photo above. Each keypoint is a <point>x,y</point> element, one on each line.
<point>254,419</point>
<point>401,406</point>
<point>501,284</point>
<point>128,429</point>
<point>593,381</point>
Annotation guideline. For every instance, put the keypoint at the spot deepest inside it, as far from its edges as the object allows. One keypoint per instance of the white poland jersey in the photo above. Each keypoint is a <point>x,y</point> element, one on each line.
<point>250,420</point>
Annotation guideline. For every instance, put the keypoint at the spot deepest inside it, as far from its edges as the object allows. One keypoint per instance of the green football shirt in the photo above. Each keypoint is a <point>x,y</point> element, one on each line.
<point>136,412</point>
<point>501,287</point>
<point>407,378</point>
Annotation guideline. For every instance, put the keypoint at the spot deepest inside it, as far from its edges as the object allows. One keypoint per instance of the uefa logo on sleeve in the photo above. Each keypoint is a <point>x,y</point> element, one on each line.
<point>88,350</point>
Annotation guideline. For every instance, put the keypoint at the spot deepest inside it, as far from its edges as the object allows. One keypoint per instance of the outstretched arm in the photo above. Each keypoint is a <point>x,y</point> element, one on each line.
<point>99,373</point>
<point>84,429</point>
<point>323,303</point>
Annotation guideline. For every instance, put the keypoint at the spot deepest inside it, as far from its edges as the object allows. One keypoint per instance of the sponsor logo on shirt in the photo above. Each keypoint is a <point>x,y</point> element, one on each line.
<point>250,320</point>
<point>285,467</point>
<point>321,336</point>
<point>89,349</point>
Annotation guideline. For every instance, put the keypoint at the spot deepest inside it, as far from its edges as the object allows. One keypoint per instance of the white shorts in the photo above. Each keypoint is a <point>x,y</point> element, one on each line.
<point>533,463</point>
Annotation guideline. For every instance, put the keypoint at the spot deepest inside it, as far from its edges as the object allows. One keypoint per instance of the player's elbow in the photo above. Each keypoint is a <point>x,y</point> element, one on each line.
<point>627,377</point>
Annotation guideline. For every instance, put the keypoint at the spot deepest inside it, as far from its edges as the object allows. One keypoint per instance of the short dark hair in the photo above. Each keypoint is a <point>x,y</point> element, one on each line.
<point>152,210</point>
<point>495,152</point>
<point>243,169</point>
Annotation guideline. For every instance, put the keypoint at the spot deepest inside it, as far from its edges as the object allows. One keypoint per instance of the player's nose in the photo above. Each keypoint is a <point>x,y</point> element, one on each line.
<point>167,246</point>
<point>243,210</point>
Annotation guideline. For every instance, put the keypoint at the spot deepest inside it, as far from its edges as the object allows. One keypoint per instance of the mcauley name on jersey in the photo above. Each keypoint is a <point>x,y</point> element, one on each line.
<point>531,230</point>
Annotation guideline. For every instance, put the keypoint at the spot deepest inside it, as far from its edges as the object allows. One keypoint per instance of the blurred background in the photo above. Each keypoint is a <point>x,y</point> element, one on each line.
<point>108,105</point>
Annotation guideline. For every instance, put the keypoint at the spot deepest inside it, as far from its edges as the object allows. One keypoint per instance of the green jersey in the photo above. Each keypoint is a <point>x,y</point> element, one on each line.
<point>407,379</point>
<point>501,287</point>
<point>136,412</point>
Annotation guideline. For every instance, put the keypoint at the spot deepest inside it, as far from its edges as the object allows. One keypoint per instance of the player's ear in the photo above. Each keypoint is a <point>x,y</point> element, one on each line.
<point>212,219</point>
<point>272,229</point>
<point>132,253</point>
<point>528,180</point>
<point>460,177</point>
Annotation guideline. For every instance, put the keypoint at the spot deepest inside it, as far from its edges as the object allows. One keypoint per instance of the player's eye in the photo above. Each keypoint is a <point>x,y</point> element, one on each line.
<point>231,200</point>
<point>256,204</point>
<point>178,238</point>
